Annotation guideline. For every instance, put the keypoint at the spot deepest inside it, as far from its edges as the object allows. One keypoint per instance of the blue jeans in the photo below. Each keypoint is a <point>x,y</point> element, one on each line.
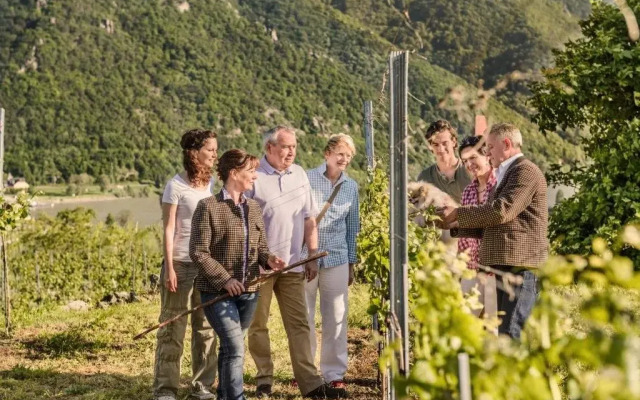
<point>517,310</point>
<point>230,319</point>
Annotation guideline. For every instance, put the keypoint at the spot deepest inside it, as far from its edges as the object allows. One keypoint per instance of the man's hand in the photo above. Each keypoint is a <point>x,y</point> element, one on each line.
<point>276,263</point>
<point>351,274</point>
<point>233,287</point>
<point>448,214</point>
<point>171,280</point>
<point>440,224</point>
<point>311,270</point>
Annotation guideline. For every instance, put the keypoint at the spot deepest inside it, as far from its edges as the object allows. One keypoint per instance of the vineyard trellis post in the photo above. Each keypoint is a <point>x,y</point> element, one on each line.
<point>145,276</point>
<point>368,143</point>
<point>1,148</point>
<point>133,268</point>
<point>368,133</point>
<point>464,376</point>
<point>38,293</point>
<point>6,288</point>
<point>369,149</point>
<point>398,278</point>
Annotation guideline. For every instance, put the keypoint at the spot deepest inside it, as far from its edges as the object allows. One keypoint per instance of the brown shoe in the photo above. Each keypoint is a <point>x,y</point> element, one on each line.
<point>326,391</point>
<point>263,391</point>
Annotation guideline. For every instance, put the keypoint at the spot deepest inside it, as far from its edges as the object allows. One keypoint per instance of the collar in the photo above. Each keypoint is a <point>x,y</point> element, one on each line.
<point>323,168</point>
<point>268,168</point>
<point>227,196</point>
<point>443,176</point>
<point>506,163</point>
<point>491,181</point>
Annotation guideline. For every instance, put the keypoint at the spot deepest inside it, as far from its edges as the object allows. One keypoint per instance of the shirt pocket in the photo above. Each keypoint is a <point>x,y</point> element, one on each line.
<point>336,215</point>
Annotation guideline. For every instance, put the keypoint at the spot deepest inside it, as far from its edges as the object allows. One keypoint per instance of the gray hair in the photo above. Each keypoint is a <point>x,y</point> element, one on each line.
<point>271,136</point>
<point>507,131</point>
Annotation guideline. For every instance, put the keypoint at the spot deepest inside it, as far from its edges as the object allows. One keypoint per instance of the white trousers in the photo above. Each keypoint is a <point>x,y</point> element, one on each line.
<point>332,283</point>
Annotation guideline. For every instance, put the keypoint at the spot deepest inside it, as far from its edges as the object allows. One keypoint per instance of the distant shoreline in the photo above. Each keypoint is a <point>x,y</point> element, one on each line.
<point>50,201</point>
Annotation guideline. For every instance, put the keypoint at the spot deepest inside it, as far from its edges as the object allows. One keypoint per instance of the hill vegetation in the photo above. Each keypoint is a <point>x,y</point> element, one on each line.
<point>481,41</point>
<point>107,87</point>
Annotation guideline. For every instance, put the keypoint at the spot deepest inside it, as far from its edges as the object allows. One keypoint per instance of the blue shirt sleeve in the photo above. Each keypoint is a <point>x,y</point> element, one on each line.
<point>353,225</point>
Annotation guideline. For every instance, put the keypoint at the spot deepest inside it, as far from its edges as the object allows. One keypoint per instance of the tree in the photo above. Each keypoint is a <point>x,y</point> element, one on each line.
<point>595,86</point>
<point>104,182</point>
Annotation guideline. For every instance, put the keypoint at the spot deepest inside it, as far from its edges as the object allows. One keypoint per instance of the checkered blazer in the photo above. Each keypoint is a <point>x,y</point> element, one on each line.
<point>513,222</point>
<point>217,243</point>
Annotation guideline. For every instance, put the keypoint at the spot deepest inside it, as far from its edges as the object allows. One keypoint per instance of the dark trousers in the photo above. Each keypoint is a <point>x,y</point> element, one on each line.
<point>517,310</point>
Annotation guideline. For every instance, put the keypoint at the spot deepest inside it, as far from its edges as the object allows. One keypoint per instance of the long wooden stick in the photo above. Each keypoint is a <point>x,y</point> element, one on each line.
<point>226,295</point>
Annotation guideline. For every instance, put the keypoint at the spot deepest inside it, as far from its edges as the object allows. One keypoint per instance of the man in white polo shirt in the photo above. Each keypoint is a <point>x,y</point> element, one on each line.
<point>289,212</point>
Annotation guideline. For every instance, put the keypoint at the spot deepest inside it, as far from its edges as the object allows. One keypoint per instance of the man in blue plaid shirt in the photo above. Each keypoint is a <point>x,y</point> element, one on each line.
<point>337,233</point>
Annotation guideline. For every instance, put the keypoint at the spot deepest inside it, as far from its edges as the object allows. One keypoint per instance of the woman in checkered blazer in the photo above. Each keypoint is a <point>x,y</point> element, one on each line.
<point>228,245</point>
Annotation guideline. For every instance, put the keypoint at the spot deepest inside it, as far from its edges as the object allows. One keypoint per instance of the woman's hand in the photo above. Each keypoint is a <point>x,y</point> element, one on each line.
<point>233,287</point>
<point>276,263</point>
<point>171,280</point>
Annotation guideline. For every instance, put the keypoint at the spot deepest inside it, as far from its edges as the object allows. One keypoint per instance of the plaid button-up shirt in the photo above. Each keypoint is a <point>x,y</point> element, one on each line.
<point>470,197</point>
<point>338,229</point>
<point>244,210</point>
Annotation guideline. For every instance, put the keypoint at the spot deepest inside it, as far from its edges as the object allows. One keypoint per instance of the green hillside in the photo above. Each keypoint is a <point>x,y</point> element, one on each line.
<point>107,87</point>
<point>483,39</point>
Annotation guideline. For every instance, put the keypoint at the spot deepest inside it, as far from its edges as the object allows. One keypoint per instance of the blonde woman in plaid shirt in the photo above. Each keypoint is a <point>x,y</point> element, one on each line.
<point>475,160</point>
<point>336,234</point>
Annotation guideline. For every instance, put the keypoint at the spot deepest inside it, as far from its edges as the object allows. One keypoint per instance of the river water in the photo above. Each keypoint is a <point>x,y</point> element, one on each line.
<point>144,211</point>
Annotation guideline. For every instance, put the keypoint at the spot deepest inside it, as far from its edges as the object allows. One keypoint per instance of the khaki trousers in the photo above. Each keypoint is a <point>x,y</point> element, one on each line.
<point>290,293</point>
<point>166,377</point>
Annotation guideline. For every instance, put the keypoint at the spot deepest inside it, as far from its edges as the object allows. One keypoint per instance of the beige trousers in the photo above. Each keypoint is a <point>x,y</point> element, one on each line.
<point>289,291</point>
<point>166,377</point>
<point>333,285</point>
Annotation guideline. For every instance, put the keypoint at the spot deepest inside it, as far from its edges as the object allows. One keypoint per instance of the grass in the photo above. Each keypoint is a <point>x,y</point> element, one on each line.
<point>56,354</point>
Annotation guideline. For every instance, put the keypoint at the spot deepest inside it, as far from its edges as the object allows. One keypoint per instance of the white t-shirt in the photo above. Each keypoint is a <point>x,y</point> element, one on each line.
<point>186,197</point>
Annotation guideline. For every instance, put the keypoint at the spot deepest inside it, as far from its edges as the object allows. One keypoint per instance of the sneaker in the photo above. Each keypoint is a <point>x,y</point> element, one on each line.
<point>338,384</point>
<point>201,393</point>
<point>326,391</point>
<point>263,391</point>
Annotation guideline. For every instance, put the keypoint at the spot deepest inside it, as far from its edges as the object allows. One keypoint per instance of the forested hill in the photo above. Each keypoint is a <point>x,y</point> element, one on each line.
<point>107,87</point>
<point>481,39</point>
